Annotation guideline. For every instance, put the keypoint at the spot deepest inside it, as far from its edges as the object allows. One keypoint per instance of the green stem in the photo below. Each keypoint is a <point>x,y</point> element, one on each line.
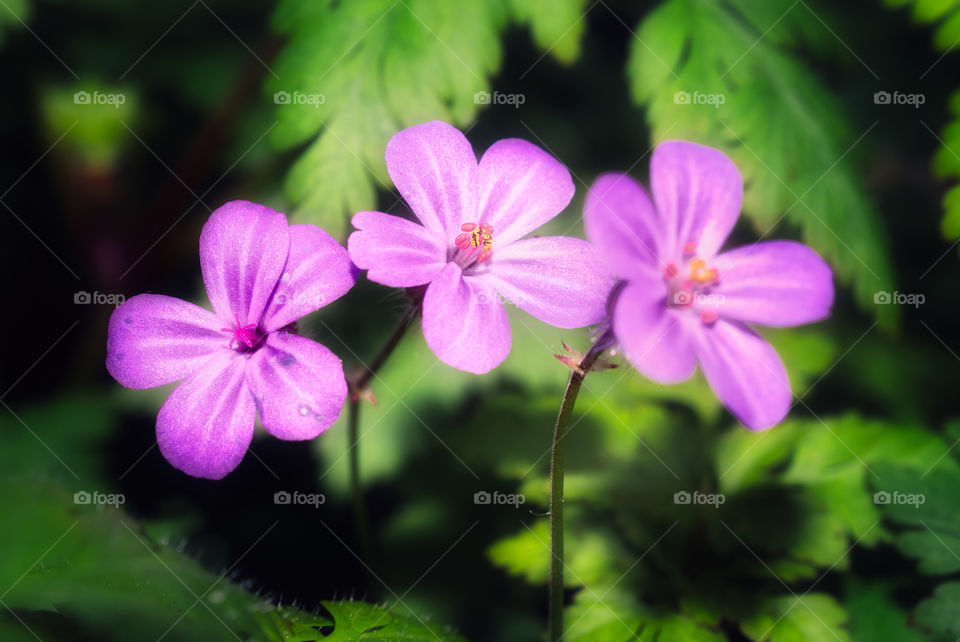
<point>357,388</point>
<point>556,487</point>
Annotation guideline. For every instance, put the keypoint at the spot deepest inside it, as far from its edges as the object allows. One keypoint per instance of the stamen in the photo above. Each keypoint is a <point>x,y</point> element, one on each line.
<point>247,334</point>
<point>462,241</point>
<point>709,316</point>
<point>475,244</point>
<point>672,271</point>
<point>700,273</point>
<point>689,249</point>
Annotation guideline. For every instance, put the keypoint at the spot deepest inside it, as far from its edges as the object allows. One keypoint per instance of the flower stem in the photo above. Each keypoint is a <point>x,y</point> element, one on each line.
<point>358,387</point>
<point>577,376</point>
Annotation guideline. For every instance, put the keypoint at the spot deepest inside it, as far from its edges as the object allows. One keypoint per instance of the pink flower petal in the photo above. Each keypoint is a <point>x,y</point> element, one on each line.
<point>435,169</point>
<point>205,427</point>
<point>653,337</point>
<point>521,187</point>
<point>464,322</point>
<point>698,192</point>
<point>745,372</point>
<point>395,251</point>
<point>559,280</point>
<point>318,271</point>
<point>776,283</point>
<point>298,386</point>
<point>243,248</point>
<point>154,339</point>
<point>620,219</point>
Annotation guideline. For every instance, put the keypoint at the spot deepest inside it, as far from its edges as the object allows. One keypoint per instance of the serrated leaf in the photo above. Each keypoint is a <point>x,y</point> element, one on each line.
<point>939,613</point>
<point>372,69</point>
<point>926,504</point>
<point>946,162</point>
<point>706,74</point>
<point>557,26</point>
<point>361,621</point>
<point>816,616</point>
<point>875,616</point>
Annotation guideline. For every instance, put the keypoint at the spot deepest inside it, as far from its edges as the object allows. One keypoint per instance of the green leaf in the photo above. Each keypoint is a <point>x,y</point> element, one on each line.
<point>939,613</point>
<point>13,14</point>
<point>96,567</point>
<point>875,616</point>
<point>93,119</point>
<point>357,620</point>
<point>63,440</point>
<point>946,163</point>
<point>557,26</point>
<point>782,128</point>
<point>367,70</point>
<point>73,565</point>
<point>944,12</point>
<point>925,504</point>
<point>815,616</point>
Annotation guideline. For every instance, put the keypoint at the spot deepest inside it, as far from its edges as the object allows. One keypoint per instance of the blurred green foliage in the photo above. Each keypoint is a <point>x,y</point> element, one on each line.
<point>945,15</point>
<point>75,565</point>
<point>801,548</point>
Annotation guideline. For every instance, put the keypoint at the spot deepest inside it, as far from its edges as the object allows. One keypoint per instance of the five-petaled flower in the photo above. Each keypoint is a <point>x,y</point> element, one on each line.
<point>243,359</point>
<point>469,246</point>
<point>681,302</point>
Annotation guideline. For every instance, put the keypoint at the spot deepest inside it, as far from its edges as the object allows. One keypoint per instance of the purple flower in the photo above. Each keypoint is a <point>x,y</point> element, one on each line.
<point>242,359</point>
<point>469,246</point>
<point>682,302</point>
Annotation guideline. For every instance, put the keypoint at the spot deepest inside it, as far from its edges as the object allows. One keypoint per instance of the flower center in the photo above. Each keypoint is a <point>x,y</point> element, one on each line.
<point>474,244</point>
<point>690,285</point>
<point>246,337</point>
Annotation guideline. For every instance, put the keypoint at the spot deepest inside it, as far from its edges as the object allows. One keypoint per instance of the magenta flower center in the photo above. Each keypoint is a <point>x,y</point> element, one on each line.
<point>690,284</point>
<point>474,245</point>
<point>246,337</point>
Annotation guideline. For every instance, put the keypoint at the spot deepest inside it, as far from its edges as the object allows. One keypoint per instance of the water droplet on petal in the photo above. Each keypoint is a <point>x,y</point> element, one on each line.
<point>304,410</point>
<point>285,277</point>
<point>127,320</point>
<point>286,360</point>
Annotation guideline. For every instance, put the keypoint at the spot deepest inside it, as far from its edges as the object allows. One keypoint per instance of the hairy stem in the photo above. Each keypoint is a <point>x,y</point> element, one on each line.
<point>577,376</point>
